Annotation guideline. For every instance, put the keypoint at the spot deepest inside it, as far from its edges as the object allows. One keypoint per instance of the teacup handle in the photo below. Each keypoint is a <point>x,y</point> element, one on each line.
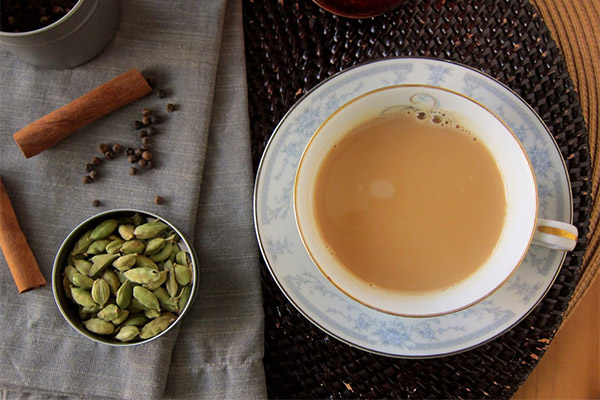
<point>555,235</point>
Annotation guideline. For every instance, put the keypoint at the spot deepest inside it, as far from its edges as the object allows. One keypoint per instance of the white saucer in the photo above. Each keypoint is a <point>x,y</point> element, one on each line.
<point>341,317</point>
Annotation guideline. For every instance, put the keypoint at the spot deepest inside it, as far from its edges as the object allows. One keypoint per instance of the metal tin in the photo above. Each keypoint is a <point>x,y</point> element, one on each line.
<point>69,310</point>
<point>72,40</point>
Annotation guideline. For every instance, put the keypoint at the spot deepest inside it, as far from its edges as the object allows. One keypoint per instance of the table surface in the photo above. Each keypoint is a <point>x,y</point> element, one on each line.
<point>570,368</point>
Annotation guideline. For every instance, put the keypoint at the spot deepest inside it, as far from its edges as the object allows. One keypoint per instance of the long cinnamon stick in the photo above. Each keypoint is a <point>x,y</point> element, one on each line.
<point>18,255</point>
<point>54,127</point>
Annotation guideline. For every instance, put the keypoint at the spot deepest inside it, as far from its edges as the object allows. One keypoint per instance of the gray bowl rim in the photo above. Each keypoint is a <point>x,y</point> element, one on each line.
<point>65,246</point>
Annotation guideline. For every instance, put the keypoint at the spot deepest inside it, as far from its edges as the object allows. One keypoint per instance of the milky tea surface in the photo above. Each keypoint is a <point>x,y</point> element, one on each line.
<point>410,201</point>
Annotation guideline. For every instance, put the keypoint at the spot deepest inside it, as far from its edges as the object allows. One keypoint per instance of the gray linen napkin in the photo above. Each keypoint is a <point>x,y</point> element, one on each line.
<point>206,181</point>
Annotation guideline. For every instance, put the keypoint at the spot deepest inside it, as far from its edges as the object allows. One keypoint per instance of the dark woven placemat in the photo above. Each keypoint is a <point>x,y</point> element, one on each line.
<point>293,45</point>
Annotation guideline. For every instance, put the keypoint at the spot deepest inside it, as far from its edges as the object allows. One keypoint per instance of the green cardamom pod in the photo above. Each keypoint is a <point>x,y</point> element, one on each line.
<point>136,320</point>
<point>133,247</point>
<point>156,326</point>
<point>162,278</point>
<point>141,275</point>
<point>67,287</point>
<point>135,306</point>
<point>99,262</point>
<point>126,231</point>
<point>138,219</point>
<point>182,258</point>
<point>123,314</point>
<point>103,229</point>
<point>127,333</point>
<point>100,291</point>
<point>99,326</point>
<point>111,278</point>
<point>146,297</point>
<point>82,297</point>
<point>151,314</point>
<point>182,274</point>
<point>184,297</point>
<point>124,295</point>
<point>83,266</point>
<point>91,310</point>
<point>125,262</point>
<point>114,246</point>
<point>109,312</point>
<point>82,243</point>
<point>70,272</point>
<point>145,262</point>
<point>97,247</point>
<point>150,230</point>
<point>171,284</point>
<point>165,300</point>
<point>82,281</point>
<point>154,245</point>
<point>82,314</point>
<point>163,254</point>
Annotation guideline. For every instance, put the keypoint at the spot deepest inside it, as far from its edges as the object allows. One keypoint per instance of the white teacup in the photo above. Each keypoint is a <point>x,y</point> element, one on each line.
<point>521,227</point>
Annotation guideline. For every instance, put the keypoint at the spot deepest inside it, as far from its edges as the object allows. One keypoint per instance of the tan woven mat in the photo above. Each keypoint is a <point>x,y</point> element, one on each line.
<point>575,25</point>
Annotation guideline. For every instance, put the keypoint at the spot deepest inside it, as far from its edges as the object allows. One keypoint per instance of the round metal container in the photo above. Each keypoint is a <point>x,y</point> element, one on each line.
<point>70,311</point>
<point>72,40</point>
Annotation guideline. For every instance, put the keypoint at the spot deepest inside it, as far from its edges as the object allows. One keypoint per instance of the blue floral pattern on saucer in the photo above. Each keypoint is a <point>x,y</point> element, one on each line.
<point>327,307</point>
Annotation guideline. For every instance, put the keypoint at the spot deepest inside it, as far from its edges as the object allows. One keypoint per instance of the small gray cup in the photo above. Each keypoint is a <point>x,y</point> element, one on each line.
<point>72,40</point>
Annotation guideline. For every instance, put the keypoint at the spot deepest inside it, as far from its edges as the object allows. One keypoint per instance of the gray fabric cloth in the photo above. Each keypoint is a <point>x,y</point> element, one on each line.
<point>195,50</point>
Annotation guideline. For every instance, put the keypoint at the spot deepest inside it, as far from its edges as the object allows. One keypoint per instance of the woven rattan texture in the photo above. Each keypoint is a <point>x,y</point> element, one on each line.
<point>293,45</point>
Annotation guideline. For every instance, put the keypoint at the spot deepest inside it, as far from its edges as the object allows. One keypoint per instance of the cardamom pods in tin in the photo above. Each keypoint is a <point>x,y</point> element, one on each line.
<point>150,229</point>
<point>133,247</point>
<point>127,333</point>
<point>125,262</point>
<point>99,262</point>
<point>146,297</point>
<point>127,273</point>
<point>124,295</point>
<point>103,229</point>
<point>126,231</point>
<point>82,297</point>
<point>99,326</point>
<point>109,312</point>
<point>82,281</point>
<point>100,291</point>
<point>156,326</point>
<point>182,274</point>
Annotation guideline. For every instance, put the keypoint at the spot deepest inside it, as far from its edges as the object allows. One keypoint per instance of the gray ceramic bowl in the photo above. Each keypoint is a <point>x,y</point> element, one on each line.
<point>70,311</point>
<point>72,40</point>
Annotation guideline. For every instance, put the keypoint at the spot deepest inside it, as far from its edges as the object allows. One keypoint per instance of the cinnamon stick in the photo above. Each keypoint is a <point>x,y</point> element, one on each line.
<point>18,255</point>
<point>54,127</point>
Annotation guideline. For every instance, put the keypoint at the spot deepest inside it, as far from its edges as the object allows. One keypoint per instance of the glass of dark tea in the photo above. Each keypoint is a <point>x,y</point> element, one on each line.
<point>358,8</point>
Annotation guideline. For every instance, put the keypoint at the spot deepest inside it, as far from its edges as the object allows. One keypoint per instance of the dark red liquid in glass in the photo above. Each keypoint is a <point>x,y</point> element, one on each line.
<point>358,8</point>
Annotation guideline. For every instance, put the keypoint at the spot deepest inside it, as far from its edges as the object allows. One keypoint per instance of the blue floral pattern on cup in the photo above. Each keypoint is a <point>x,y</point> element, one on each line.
<point>321,302</point>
